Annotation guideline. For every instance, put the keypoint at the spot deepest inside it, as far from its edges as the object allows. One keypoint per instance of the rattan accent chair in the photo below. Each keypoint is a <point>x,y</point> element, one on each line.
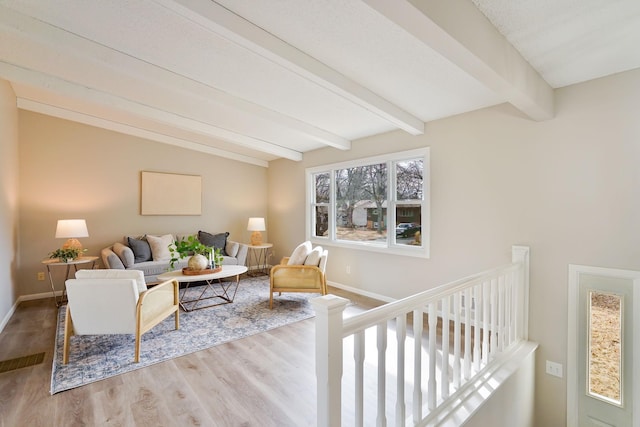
<point>307,277</point>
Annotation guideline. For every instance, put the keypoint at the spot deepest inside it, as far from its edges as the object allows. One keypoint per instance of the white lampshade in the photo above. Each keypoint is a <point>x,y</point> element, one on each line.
<point>256,225</point>
<point>71,229</point>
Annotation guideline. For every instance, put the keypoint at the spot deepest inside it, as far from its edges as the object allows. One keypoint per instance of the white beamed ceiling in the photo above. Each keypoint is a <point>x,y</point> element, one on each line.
<point>260,80</point>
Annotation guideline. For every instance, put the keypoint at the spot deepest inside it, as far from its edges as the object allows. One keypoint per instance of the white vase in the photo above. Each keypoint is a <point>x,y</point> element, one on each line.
<point>198,262</point>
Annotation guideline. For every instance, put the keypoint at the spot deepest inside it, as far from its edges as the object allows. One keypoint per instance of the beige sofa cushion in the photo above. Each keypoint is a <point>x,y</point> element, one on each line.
<point>160,246</point>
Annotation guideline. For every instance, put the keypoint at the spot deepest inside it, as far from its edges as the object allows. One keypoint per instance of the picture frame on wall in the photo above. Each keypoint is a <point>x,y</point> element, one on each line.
<point>163,193</point>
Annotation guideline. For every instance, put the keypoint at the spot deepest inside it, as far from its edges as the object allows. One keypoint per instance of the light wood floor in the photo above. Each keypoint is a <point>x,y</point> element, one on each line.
<point>263,380</point>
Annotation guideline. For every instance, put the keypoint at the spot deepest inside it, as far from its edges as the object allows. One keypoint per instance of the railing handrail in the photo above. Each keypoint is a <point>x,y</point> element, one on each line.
<point>397,308</point>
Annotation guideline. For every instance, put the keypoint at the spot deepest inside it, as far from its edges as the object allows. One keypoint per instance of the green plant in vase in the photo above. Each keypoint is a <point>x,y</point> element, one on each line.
<point>66,255</point>
<point>201,255</point>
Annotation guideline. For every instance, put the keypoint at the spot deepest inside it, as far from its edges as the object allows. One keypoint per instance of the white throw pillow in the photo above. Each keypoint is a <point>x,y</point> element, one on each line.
<point>300,253</point>
<point>314,256</point>
<point>160,247</point>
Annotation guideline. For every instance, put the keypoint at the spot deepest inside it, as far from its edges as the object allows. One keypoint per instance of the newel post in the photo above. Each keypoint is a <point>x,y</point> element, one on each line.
<point>520,254</point>
<point>329,309</point>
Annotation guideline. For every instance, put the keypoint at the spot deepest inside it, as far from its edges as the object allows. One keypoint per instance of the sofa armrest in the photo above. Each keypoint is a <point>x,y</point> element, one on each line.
<point>110,259</point>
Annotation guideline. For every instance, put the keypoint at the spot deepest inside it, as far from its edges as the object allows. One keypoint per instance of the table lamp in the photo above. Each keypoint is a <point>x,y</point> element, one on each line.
<point>72,229</point>
<point>256,225</point>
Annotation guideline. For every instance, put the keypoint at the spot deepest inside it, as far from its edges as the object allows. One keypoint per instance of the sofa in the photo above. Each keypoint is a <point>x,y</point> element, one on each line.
<point>150,253</point>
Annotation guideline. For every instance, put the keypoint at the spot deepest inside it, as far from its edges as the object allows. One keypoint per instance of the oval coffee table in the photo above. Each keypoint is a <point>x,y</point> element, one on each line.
<point>226,291</point>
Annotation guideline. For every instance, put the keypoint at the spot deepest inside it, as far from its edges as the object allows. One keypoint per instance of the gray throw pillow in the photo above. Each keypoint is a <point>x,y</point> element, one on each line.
<point>141,249</point>
<point>218,241</point>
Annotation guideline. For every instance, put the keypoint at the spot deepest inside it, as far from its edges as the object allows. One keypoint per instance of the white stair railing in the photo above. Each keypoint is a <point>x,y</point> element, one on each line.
<point>487,315</point>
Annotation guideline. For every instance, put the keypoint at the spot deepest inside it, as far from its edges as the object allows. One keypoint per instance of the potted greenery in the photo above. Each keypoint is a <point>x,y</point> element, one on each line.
<point>202,256</point>
<point>66,255</point>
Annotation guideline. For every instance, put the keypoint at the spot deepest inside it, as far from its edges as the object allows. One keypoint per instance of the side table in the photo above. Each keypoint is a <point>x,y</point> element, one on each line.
<point>75,263</point>
<point>258,254</point>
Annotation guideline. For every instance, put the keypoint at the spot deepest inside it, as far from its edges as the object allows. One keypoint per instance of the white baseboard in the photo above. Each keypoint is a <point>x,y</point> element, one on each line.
<point>37,296</point>
<point>6,318</point>
<point>21,298</point>
<point>361,292</point>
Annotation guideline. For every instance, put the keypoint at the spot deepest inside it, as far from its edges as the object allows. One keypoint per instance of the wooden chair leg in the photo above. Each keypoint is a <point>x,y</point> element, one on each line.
<point>68,332</point>
<point>177,319</point>
<point>270,299</point>
<point>136,356</point>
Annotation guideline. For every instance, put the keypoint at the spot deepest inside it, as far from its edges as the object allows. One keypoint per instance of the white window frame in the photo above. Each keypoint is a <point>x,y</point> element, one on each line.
<point>390,247</point>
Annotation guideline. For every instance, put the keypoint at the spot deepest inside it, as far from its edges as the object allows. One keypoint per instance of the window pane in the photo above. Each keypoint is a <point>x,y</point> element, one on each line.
<point>409,177</point>
<point>321,221</point>
<point>361,203</point>
<point>605,342</point>
<point>408,228</point>
<point>356,202</point>
<point>322,185</point>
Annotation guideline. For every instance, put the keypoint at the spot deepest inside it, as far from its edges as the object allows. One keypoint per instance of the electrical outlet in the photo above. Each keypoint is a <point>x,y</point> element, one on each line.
<point>554,369</point>
<point>41,275</point>
<point>348,269</point>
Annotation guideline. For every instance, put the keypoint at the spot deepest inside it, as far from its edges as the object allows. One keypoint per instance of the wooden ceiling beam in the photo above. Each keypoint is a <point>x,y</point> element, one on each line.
<point>462,34</point>
<point>224,23</point>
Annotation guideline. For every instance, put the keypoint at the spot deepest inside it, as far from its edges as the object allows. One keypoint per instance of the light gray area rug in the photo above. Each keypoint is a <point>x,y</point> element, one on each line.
<point>96,357</point>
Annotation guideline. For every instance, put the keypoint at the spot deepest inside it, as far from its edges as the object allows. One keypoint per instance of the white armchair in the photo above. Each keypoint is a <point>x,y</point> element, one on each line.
<point>110,302</point>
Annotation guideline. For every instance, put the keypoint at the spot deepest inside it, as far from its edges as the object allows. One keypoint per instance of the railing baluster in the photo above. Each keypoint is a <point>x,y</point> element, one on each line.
<point>486,288</point>
<point>444,366</point>
<point>508,307</point>
<point>511,308</point>
<point>501,330</point>
<point>358,356</point>
<point>493,340</point>
<point>467,333</point>
<point>477,353</point>
<point>432,384</point>
<point>401,336</point>
<point>417,365</point>
<point>456,340</point>
<point>381,420</point>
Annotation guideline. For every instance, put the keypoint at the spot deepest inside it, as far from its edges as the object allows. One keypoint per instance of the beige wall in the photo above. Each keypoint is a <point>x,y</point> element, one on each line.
<point>568,187</point>
<point>70,170</point>
<point>8,201</point>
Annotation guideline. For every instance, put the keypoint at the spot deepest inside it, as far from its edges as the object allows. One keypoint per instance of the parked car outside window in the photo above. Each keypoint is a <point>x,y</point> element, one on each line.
<point>411,231</point>
<point>403,226</point>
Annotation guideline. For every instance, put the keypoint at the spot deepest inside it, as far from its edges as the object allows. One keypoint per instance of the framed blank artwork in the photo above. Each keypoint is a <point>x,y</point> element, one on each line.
<point>170,194</point>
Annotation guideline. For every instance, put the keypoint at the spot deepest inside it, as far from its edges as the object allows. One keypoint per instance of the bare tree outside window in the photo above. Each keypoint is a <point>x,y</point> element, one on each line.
<point>409,178</point>
<point>322,186</point>
<point>361,194</point>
